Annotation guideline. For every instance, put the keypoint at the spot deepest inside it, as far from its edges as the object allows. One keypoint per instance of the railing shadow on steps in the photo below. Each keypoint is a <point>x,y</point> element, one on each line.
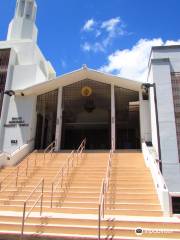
<point>23,168</point>
<point>36,201</point>
<point>103,193</point>
<point>60,181</point>
<point>69,164</point>
<point>162,190</point>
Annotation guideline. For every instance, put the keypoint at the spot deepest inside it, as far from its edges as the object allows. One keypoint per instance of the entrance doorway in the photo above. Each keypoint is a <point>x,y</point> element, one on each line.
<point>86,114</point>
<point>46,119</point>
<point>127,119</point>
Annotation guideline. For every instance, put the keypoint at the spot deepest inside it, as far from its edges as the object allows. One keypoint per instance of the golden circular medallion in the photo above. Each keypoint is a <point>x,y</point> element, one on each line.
<point>86,91</point>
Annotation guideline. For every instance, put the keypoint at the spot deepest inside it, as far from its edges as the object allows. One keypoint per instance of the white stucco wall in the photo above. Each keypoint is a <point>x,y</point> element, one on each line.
<point>161,75</point>
<point>19,107</point>
<point>27,67</point>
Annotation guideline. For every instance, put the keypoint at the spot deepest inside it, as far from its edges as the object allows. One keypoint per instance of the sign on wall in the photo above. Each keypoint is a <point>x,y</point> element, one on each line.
<point>16,121</point>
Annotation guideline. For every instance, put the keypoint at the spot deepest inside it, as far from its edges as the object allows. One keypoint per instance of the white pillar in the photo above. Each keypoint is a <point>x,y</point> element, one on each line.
<point>145,118</point>
<point>113,118</point>
<point>59,120</point>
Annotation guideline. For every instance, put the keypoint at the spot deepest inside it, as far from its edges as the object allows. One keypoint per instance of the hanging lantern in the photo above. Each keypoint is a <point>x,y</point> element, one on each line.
<point>89,106</point>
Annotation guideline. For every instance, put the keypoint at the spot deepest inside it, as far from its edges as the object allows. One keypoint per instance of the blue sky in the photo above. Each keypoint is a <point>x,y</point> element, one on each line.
<point>114,36</point>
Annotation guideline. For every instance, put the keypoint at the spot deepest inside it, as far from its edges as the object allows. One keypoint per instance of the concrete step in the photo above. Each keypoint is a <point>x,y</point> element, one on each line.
<point>151,223</point>
<point>69,210</point>
<point>69,230</point>
<point>113,206</point>
<point>134,212</point>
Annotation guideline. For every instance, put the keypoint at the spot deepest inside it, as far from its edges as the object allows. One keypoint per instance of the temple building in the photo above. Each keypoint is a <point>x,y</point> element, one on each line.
<point>110,112</point>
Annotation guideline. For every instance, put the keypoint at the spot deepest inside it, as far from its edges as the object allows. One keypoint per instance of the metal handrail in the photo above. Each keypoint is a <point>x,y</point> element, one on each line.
<point>65,170</point>
<point>17,172</point>
<point>40,198</point>
<point>103,192</point>
<point>159,182</point>
<point>80,149</point>
<point>51,146</point>
<point>60,175</point>
<point>101,206</point>
<point>108,171</point>
<point>157,168</point>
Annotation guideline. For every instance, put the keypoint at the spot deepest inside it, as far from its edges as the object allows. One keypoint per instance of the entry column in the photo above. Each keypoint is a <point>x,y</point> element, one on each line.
<point>113,118</point>
<point>59,120</point>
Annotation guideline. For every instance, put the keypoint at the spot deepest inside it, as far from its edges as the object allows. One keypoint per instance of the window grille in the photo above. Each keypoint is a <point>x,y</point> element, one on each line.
<point>127,118</point>
<point>175,79</point>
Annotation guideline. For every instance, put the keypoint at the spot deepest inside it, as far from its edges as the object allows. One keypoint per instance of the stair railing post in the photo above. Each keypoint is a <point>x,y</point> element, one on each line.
<point>99,223</point>
<point>77,157</point>
<point>27,165</point>
<point>72,160</point>
<point>23,220</point>
<point>52,192</point>
<point>62,179</point>
<point>17,173</point>
<point>68,167</point>
<point>35,159</point>
<point>42,193</point>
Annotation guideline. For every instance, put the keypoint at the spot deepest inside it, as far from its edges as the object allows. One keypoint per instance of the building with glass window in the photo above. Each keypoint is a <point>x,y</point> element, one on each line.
<point>38,107</point>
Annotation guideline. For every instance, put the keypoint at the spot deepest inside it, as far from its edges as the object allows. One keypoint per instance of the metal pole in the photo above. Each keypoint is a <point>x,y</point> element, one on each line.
<point>23,220</point>
<point>27,166</point>
<point>35,159</point>
<point>42,192</point>
<point>17,176</point>
<point>77,157</point>
<point>62,177</point>
<point>52,191</point>
<point>99,223</point>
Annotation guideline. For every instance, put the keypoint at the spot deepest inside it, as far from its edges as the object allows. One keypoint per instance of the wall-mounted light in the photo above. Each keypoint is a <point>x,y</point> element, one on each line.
<point>145,90</point>
<point>9,93</point>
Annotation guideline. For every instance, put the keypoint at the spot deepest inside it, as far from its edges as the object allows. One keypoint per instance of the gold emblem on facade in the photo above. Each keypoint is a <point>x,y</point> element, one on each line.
<point>86,91</point>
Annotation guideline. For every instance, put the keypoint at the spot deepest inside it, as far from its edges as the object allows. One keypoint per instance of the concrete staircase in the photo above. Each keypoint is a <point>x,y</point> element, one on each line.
<point>131,190</point>
<point>131,201</point>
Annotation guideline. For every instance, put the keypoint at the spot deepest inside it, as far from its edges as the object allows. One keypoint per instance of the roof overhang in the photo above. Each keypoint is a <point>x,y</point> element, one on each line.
<point>79,75</point>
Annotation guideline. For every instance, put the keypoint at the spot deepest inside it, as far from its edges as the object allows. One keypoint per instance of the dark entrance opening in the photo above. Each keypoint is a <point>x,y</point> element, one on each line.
<point>86,114</point>
<point>127,119</point>
<point>46,119</point>
<point>176,205</point>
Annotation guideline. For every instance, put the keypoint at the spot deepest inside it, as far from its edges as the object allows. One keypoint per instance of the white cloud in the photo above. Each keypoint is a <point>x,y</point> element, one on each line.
<point>88,26</point>
<point>132,63</point>
<point>110,24</point>
<point>86,47</point>
<point>94,47</point>
<point>101,34</point>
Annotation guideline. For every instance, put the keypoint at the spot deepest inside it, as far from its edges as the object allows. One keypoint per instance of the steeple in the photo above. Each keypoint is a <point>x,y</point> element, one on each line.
<point>23,25</point>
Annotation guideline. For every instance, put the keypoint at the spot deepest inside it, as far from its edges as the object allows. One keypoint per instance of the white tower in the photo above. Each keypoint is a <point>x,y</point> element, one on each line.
<point>23,25</point>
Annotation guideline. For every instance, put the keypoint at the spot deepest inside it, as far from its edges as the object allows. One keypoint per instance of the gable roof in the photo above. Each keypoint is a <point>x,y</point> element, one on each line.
<point>79,75</point>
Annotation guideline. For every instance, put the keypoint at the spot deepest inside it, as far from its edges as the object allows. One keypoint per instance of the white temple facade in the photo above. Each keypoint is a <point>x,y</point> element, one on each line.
<point>38,107</point>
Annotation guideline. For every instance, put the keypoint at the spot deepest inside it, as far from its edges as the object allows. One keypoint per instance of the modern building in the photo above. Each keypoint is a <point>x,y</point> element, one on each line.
<point>38,107</point>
